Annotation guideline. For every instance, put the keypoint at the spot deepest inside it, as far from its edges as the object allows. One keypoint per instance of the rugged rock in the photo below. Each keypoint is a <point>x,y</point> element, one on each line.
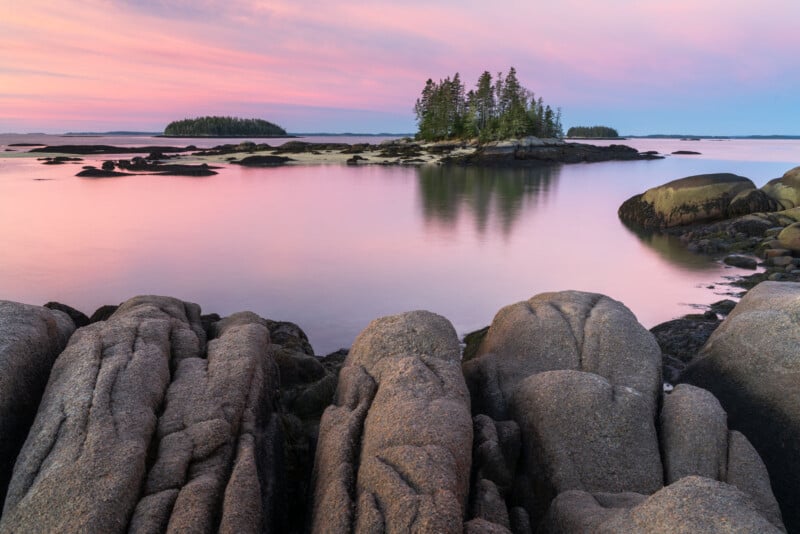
<point>394,450</point>
<point>581,432</point>
<point>680,340</point>
<point>741,261</point>
<point>752,201</point>
<point>751,365</point>
<point>140,428</point>
<point>786,189</point>
<point>566,330</point>
<point>31,337</point>
<point>694,199</point>
<point>533,150</point>
<point>693,504</point>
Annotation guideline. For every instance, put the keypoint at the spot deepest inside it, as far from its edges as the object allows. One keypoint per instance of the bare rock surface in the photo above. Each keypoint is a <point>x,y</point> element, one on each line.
<point>694,199</point>
<point>564,330</point>
<point>31,337</point>
<point>141,429</point>
<point>581,432</point>
<point>394,450</point>
<point>691,505</point>
<point>752,365</point>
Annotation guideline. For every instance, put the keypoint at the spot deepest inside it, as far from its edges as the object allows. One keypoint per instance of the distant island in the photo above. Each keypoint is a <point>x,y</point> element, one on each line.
<point>592,132</point>
<point>223,127</point>
<point>496,109</point>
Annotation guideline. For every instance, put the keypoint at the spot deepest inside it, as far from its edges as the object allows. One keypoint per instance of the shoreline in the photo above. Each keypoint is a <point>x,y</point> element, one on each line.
<point>517,152</point>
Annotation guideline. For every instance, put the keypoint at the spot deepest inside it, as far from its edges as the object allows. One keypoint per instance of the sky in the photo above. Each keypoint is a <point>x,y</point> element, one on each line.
<point>707,67</point>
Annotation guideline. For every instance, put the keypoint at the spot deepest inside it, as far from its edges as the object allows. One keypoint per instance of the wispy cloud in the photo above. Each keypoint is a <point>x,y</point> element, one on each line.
<point>167,58</point>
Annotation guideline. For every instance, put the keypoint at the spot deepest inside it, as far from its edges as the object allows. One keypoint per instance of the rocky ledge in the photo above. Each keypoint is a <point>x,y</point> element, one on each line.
<point>153,417</point>
<point>515,152</point>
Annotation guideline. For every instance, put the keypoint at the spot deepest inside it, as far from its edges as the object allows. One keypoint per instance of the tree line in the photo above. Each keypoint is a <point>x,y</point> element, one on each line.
<point>592,131</point>
<point>498,108</point>
<point>222,127</point>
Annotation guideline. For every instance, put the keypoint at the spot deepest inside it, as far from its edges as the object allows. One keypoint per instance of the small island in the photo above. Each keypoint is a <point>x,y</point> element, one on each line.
<point>223,127</point>
<point>593,132</point>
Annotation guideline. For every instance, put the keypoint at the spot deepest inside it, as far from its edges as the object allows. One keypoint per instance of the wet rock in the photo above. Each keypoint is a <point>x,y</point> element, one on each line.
<point>694,199</point>
<point>751,202</point>
<point>750,363</point>
<point>141,428</point>
<point>263,161</point>
<point>738,260</point>
<point>394,450</point>
<point>565,330</point>
<point>31,337</point>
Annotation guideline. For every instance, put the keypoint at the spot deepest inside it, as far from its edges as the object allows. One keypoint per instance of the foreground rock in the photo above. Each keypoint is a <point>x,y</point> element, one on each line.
<point>693,504</point>
<point>394,451</point>
<point>751,364</point>
<point>694,199</point>
<point>31,338</point>
<point>557,331</point>
<point>146,426</point>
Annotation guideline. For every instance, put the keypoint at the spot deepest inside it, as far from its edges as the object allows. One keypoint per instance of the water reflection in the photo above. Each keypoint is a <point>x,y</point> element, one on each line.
<point>484,193</point>
<point>672,249</point>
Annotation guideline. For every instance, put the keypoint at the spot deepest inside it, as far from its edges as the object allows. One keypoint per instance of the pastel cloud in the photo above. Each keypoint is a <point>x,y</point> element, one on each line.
<point>138,64</point>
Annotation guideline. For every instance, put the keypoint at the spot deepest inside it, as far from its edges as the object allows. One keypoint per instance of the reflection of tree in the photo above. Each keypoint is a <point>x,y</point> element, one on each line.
<point>485,191</point>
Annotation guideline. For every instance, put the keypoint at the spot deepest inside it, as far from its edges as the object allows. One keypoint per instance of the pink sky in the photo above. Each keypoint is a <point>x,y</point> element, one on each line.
<point>702,66</point>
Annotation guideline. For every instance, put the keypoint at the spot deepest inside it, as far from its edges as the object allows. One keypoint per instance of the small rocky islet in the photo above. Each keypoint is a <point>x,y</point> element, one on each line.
<point>514,152</point>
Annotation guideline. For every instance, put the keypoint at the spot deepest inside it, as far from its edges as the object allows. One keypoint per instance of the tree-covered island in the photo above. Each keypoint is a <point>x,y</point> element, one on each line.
<point>223,127</point>
<point>496,109</point>
<point>592,132</point>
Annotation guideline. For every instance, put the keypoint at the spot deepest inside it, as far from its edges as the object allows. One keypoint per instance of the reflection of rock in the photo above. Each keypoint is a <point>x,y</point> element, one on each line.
<point>688,200</point>
<point>487,193</point>
<point>751,364</point>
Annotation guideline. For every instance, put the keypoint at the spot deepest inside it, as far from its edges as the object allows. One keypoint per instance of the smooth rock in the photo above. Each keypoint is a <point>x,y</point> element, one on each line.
<point>689,200</point>
<point>581,432</point>
<point>786,189</point>
<point>565,330</point>
<point>691,505</point>
<point>752,365</point>
<point>789,238</point>
<point>31,337</point>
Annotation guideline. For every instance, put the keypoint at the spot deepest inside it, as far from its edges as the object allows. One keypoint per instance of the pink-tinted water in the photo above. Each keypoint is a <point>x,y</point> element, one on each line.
<point>332,247</point>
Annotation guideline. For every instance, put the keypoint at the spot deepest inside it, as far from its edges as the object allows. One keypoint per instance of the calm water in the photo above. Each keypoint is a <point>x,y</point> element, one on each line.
<point>332,247</point>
